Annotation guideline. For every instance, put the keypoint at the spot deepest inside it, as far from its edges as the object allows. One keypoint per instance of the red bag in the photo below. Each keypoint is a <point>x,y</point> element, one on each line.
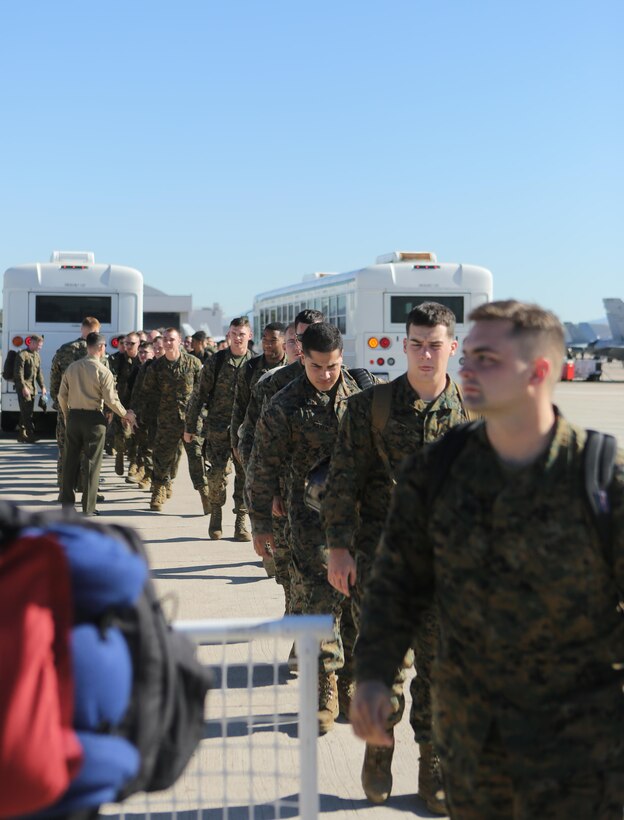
<point>39,751</point>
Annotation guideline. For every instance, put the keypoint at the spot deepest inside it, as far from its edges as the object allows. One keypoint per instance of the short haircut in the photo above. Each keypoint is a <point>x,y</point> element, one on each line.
<point>275,327</point>
<point>431,314</point>
<point>240,321</point>
<point>321,337</point>
<point>538,329</point>
<point>95,339</point>
<point>35,337</point>
<point>292,326</point>
<point>146,346</point>
<point>309,317</point>
<point>173,330</point>
<point>199,336</point>
<point>91,322</point>
<point>132,333</point>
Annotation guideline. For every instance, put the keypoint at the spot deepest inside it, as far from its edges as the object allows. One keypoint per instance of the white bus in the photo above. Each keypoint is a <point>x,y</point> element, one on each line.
<point>52,298</point>
<point>370,306</point>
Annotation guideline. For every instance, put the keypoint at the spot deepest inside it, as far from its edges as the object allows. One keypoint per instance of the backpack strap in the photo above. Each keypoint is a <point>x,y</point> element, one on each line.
<point>380,413</point>
<point>362,377</point>
<point>219,361</point>
<point>598,465</point>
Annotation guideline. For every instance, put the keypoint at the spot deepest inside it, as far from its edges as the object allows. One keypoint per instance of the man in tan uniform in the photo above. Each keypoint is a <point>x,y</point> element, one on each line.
<point>86,385</point>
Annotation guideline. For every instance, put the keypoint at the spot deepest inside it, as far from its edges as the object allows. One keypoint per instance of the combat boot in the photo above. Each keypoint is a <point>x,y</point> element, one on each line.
<point>346,690</point>
<point>146,482</point>
<point>133,471</point>
<point>159,496</point>
<point>430,788</point>
<point>119,463</point>
<point>377,773</point>
<point>205,500</point>
<point>241,533</point>
<point>169,489</point>
<point>215,530</point>
<point>328,701</point>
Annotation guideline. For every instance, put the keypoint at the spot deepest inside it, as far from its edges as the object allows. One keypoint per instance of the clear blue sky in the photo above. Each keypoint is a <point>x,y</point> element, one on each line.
<point>225,148</point>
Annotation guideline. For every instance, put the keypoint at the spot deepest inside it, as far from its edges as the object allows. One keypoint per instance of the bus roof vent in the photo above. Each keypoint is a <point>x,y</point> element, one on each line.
<point>407,256</point>
<point>73,259</point>
<point>309,277</point>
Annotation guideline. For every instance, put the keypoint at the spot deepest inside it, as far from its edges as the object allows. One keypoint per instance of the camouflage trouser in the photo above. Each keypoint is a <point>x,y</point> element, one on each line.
<point>219,455</point>
<point>281,558</point>
<point>167,450</point>
<point>144,436</point>
<point>311,589</point>
<point>494,794</point>
<point>425,641</point>
<point>26,427</point>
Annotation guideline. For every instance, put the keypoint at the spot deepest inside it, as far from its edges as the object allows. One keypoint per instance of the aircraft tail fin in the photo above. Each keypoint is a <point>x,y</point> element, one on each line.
<point>615,317</point>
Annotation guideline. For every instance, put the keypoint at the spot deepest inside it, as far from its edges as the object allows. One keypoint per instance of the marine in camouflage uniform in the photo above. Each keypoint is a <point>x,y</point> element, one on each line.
<point>28,375</point>
<point>528,710</point>
<point>146,430</point>
<point>295,432</point>
<point>168,386</point>
<point>124,365</point>
<point>209,414</point>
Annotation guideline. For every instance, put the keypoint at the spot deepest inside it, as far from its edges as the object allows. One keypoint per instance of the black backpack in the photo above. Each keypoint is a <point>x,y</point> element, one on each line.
<point>165,717</point>
<point>8,366</point>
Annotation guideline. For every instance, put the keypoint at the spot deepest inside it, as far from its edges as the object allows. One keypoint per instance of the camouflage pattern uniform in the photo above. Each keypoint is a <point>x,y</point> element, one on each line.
<point>357,497</point>
<point>218,400</point>
<point>168,387</point>
<point>247,379</point>
<point>146,414</point>
<point>28,374</point>
<point>262,392</point>
<point>527,680</point>
<point>297,430</point>
<point>123,367</point>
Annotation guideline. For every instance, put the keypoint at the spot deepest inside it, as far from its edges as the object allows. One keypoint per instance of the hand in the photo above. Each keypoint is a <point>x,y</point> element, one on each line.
<point>277,508</point>
<point>264,544</point>
<point>25,392</point>
<point>44,392</point>
<point>341,572</point>
<point>188,437</point>
<point>370,709</point>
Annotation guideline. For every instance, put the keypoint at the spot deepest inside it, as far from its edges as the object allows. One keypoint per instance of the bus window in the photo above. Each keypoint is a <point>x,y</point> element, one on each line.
<point>62,309</point>
<point>401,306</point>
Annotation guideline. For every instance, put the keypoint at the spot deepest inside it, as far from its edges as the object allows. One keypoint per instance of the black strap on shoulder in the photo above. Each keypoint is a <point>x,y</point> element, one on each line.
<point>362,377</point>
<point>599,461</point>
<point>380,413</point>
<point>446,451</point>
<point>219,361</point>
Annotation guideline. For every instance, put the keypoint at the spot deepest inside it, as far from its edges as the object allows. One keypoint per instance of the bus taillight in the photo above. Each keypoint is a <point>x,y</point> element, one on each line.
<point>385,342</point>
<point>16,341</point>
<point>373,342</point>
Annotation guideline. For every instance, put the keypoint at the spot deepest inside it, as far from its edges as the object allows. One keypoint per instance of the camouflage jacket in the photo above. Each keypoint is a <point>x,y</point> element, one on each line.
<point>261,394</point>
<point>168,386</point>
<point>246,380</point>
<point>28,371</point>
<point>217,399</point>
<point>358,489</point>
<point>123,366</point>
<point>64,356</point>
<point>527,599</point>
<point>145,411</point>
<point>297,429</point>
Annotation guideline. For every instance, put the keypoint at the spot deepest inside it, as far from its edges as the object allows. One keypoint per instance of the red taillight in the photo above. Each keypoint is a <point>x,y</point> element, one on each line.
<point>385,342</point>
<point>115,342</point>
<point>16,341</point>
<point>380,361</point>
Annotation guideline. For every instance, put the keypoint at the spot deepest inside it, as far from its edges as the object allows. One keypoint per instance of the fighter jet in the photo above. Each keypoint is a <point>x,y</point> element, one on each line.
<point>579,338</point>
<point>612,348</point>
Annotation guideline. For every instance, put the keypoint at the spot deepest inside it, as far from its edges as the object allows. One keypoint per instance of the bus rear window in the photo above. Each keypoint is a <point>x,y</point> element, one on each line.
<point>401,306</point>
<point>64,310</point>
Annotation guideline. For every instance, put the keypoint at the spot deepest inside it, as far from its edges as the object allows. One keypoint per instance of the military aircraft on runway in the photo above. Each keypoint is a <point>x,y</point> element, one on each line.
<point>580,337</point>
<point>612,348</point>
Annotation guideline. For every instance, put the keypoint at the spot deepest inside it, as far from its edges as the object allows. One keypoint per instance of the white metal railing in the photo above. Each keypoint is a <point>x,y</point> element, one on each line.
<point>261,725</point>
